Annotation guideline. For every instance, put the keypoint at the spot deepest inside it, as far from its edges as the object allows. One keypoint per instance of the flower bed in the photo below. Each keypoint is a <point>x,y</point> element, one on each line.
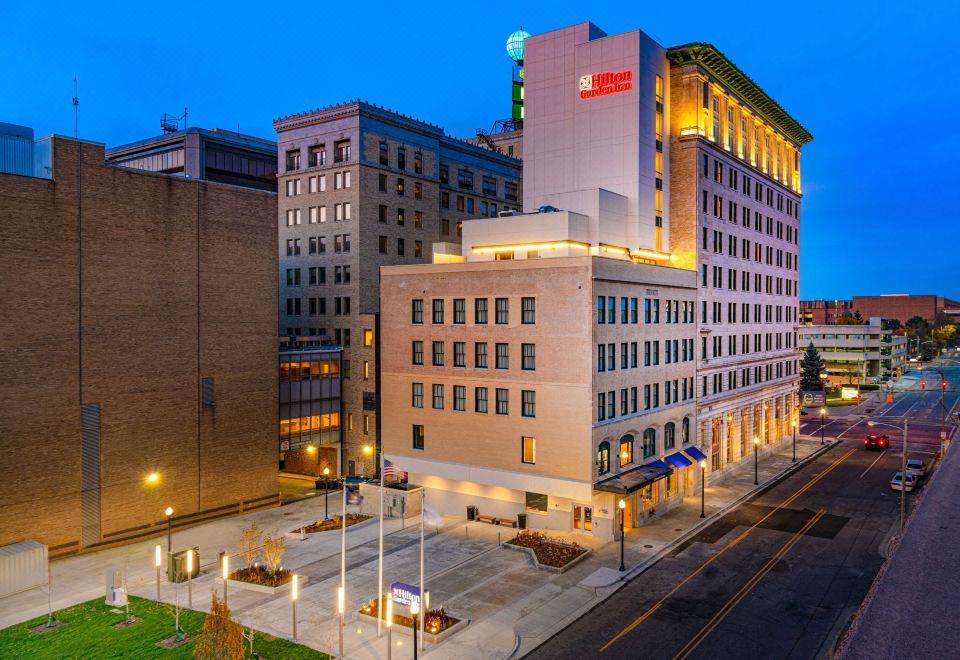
<point>548,552</point>
<point>437,622</point>
<point>333,523</point>
<point>259,575</point>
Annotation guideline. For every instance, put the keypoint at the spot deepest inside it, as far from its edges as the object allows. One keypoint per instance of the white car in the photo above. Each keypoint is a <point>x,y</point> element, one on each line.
<point>896,482</point>
<point>916,467</point>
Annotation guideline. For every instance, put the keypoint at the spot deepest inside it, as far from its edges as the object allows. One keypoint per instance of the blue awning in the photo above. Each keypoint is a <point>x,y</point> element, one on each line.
<point>695,454</point>
<point>679,461</point>
<point>657,463</point>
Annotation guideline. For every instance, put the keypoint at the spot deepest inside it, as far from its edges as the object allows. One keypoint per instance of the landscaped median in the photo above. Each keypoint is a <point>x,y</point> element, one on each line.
<point>89,630</point>
<point>548,553</point>
<point>437,626</point>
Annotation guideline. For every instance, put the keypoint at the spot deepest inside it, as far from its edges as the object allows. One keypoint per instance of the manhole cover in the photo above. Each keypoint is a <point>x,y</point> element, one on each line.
<point>678,529</point>
<point>648,546</point>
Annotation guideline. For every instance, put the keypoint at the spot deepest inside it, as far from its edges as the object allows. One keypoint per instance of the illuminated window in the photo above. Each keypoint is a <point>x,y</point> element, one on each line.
<point>368,337</point>
<point>603,457</point>
<point>528,450</point>
<point>626,450</point>
<point>366,370</point>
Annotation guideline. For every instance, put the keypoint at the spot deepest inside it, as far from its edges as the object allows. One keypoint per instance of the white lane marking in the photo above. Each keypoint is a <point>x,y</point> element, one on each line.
<point>872,464</point>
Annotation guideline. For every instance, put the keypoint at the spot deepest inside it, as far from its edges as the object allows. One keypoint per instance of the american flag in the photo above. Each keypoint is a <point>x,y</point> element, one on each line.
<point>391,471</point>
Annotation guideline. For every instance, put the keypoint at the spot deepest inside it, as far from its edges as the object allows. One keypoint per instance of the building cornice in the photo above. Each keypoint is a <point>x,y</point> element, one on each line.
<point>719,65</point>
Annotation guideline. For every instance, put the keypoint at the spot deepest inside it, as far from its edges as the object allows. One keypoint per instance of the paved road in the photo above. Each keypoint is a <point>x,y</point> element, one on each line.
<point>779,576</point>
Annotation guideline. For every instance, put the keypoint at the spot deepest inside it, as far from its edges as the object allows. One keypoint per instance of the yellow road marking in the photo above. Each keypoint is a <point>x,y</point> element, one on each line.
<point>787,502</point>
<point>746,589</point>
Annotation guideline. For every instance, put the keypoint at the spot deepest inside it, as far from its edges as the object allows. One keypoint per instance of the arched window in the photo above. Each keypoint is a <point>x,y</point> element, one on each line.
<point>669,436</point>
<point>603,458</point>
<point>649,443</point>
<point>685,430</point>
<point>626,450</point>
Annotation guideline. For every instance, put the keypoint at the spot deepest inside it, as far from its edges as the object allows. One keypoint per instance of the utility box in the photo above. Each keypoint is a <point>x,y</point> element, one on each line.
<point>116,593</point>
<point>177,565</point>
<point>23,566</point>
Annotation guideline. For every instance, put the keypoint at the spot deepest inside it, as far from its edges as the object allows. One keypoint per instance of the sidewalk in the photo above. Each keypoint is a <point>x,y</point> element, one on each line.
<point>511,606</point>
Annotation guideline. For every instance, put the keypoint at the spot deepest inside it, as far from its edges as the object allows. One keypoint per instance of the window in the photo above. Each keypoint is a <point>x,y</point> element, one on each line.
<point>418,162</point>
<point>480,355</point>
<point>480,311</point>
<point>417,310</point>
<point>317,155</point>
<point>438,397</point>
<point>460,397</point>
<point>503,401</point>
<point>649,443</point>
<point>536,502</point>
<point>603,457</point>
<point>459,354</point>
<point>293,160</point>
<point>528,450</point>
<point>437,310</point>
<point>464,179</point>
<point>438,353</point>
<point>528,307</point>
<point>401,158</point>
<point>601,309</point>
<point>529,357</point>
<point>529,403</point>
<point>341,153</point>
<point>418,436</point>
<point>401,186</point>
<point>510,190</point>
<point>488,186</point>
<point>459,311</point>
<point>480,399</point>
<point>418,395</point>
<point>384,154</point>
<point>383,244</point>
<point>444,174</point>
<point>626,450</point>
<point>503,356</point>
<point>502,311</point>
<point>670,435</point>
<point>685,430</point>
<point>368,337</point>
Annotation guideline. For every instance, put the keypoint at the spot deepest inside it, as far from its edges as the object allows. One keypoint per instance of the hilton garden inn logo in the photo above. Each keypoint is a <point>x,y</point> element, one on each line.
<point>608,82</point>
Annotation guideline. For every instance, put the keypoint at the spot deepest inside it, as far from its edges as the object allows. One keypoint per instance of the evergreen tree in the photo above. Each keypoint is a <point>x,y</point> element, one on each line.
<point>811,366</point>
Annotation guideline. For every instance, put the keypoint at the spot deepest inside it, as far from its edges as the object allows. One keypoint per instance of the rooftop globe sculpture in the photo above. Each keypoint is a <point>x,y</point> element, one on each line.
<point>515,44</point>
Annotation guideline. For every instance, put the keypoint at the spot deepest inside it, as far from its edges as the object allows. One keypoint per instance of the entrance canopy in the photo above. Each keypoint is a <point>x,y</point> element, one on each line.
<point>695,454</point>
<point>678,460</point>
<point>635,479</point>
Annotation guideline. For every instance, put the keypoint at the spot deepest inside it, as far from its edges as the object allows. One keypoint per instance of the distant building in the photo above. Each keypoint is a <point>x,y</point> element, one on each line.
<point>138,364</point>
<point>869,354</point>
<point>216,155</point>
<point>897,306</point>
<point>363,187</point>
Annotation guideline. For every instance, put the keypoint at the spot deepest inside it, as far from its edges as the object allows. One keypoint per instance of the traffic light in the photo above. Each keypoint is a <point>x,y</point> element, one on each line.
<point>943,385</point>
<point>923,384</point>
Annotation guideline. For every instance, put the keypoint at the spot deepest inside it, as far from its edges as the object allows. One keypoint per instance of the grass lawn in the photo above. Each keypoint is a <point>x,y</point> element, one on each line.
<point>88,632</point>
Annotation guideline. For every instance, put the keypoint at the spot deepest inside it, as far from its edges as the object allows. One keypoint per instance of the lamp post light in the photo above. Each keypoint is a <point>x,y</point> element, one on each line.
<point>756,463</point>
<point>340,611</point>
<point>294,594</point>
<point>794,425</point>
<point>168,512</point>
<point>622,505</point>
<point>703,489</point>
<point>326,488</point>
<point>226,572</point>
<point>190,578</point>
<point>389,613</point>
<point>156,562</point>
<point>414,611</point>
<point>823,417</point>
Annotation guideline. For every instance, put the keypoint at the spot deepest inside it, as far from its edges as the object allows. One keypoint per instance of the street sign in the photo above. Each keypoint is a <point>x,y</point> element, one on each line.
<point>404,594</point>
<point>813,398</point>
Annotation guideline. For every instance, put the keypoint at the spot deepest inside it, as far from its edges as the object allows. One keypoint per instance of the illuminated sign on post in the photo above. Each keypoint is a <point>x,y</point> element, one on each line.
<point>404,594</point>
<point>608,82</point>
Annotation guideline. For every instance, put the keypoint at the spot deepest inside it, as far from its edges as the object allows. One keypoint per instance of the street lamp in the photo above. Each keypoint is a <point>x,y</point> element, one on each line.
<point>340,611</point>
<point>190,578</point>
<point>326,487</point>
<point>389,614</point>
<point>294,594</point>
<point>226,572</point>
<point>703,489</point>
<point>794,425</point>
<point>414,611</point>
<point>756,444</point>
<point>157,562</point>
<point>823,416</point>
<point>168,512</point>
<point>622,505</point>
<point>153,478</point>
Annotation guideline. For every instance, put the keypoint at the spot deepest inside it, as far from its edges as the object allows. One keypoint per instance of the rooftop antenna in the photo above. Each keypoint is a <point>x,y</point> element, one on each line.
<point>171,124</point>
<point>76,107</point>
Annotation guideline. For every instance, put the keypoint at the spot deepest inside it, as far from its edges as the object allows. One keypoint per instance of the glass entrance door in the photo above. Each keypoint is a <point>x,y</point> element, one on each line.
<point>583,517</point>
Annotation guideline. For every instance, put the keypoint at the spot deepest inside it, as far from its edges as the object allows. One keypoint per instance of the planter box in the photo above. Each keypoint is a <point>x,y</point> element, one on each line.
<point>262,588</point>
<point>428,636</point>
<point>553,569</point>
<point>296,534</point>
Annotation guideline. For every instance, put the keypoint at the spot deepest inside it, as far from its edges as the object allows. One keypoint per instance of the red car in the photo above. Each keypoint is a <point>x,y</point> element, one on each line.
<point>874,441</point>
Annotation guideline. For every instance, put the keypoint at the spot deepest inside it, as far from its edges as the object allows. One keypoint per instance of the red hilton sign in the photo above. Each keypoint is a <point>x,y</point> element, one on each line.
<point>608,82</point>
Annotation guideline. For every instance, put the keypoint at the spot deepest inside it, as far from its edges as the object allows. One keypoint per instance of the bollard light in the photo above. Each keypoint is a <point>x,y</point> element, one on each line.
<point>226,566</point>
<point>189,561</point>
<point>295,587</point>
<point>340,600</point>
<point>389,613</point>
<point>156,556</point>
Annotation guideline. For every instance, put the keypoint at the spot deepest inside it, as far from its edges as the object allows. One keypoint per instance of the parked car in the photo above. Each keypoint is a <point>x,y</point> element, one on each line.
<point>898,483</point>
<point>916,467</point>
<point>876,441</point>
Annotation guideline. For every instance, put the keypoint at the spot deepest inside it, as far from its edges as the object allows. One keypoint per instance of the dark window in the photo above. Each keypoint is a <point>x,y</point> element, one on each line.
<point>418,436</point>
<point>529,310</point>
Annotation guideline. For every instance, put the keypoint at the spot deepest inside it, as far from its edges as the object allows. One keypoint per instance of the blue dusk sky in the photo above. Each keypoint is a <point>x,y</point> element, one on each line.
<point>871,81</point>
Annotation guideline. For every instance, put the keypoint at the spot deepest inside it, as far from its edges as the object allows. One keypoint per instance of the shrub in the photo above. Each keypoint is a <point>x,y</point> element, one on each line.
<point>220,638</point>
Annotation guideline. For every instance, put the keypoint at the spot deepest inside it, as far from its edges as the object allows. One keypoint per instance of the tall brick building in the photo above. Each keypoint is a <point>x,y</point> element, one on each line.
<point>899,306</point>
<point>138,363</point>
<point>362,187</point>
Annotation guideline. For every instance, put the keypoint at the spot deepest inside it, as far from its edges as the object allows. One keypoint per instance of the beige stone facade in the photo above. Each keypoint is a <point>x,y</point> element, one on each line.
<point>361,187</point>
<point>137,316</point>
<point>526,431</point>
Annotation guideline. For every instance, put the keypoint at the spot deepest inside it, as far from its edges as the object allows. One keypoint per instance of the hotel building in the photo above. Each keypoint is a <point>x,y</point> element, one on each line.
<point>137,350</point>
<point>618,259</point>
<point>363,187</point>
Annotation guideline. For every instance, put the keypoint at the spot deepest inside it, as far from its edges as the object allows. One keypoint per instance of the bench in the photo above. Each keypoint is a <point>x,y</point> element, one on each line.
<point>487,519</point>
<point>506,521</point>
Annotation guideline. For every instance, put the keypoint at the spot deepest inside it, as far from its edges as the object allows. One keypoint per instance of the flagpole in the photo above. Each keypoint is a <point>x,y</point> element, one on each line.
<point>423,600</point>
<point>380,608</point>
<point>343,539</point>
